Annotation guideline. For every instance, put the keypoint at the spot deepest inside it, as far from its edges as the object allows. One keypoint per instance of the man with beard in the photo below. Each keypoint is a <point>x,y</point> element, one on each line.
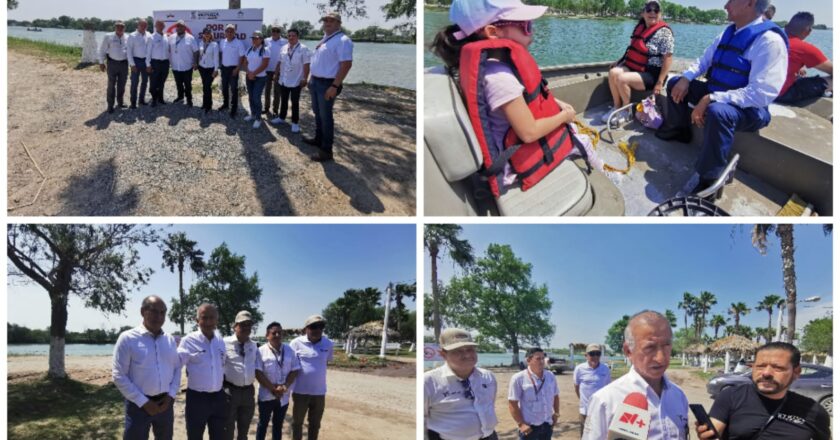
<point>766,408</point>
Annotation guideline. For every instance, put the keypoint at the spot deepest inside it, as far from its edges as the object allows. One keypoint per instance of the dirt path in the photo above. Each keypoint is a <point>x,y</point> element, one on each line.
<point>175,161</point>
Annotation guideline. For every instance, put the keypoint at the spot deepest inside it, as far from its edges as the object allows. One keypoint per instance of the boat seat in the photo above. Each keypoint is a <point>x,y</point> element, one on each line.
<point>449,136</point>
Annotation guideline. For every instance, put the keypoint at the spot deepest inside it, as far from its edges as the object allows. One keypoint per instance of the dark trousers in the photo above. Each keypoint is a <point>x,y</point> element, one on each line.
<point>138,422</point>
<point>140,64</point>
<point>722,121</point>
<point>255,88</point>
<point>160,70</point>
<point>303,404</point>
<point>183,82</point>
<point>323,110</point>
<point>285,93</point>
<point>270,85</point>
<point>206,83</point>
<point>117,76</point>
<point>206,410</point>
<point>432,435</point>
<point>271,410</point>
<point>241,408</point>
<point>804,88</point>
<point>230,88</point>
<point>538,432</point>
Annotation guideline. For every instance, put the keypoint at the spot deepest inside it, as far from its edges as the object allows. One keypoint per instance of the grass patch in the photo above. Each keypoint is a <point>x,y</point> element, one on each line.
<point>64,409</point>
<point>69,55</point>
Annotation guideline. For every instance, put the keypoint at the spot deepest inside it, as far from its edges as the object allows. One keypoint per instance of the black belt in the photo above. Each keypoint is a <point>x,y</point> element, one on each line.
<point>324,79</point>
<point>117,61</point>
<point>246,387</point>
<point>229,67</point>
<point>157,397</point>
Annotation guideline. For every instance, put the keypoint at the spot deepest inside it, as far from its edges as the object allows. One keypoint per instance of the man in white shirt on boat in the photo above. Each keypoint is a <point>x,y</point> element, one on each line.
<point>657,408</point>
<point>113,50</point>
<point>241,358</point>
<point>183,54</point>
<point>534,398</point>
<point>275,44</point>
<point>147,371</point>
<point>292,75</point>
<point>314,351</point>
<point>138,43</point>
<point>277,368</point>
<point>589,377</point>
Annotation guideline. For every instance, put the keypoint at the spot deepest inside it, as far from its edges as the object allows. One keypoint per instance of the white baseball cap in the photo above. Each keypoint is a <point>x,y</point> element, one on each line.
<point>472,15</point>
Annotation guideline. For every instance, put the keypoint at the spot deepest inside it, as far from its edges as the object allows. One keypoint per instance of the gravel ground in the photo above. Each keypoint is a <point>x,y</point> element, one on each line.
<point>175,161</point>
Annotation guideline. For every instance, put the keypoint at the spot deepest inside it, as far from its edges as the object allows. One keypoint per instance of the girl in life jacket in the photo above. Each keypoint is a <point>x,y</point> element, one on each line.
<point>647,60</point>
<point>503,108</point>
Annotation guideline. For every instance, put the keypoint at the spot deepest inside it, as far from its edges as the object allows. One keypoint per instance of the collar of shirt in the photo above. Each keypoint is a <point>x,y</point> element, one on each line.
<point>449,374</point>
<point>758,20</point>
<point>144,331</point>
<point>637,380</point>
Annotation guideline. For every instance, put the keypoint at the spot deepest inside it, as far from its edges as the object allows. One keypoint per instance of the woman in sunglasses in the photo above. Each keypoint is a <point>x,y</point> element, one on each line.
<point>646,62</point>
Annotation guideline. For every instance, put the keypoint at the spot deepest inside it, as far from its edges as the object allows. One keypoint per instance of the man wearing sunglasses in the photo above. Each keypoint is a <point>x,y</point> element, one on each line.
<point>459,398</point>
<point>313,350</point>
<point>590,377</point>
<point>240,369</point>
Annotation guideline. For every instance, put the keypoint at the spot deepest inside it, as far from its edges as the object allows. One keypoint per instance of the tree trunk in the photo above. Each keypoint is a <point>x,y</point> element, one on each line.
<point>181,293</point>
<point>789,274</point>
<point>515,352</point>
<point>58,326</point>
<point>433,253</point>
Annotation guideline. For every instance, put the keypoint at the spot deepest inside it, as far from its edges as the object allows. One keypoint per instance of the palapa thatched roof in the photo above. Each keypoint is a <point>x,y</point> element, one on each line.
<point>733,343</point>
<point>372,329</point>
<point>578,346</point>
<point>696,349</point>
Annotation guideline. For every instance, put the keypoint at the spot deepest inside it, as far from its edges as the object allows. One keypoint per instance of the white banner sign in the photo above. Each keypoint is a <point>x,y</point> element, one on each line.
<point>246,21</point>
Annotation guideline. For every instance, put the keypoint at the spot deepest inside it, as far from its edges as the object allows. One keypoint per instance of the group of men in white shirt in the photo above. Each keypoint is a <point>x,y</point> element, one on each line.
<point>220,395</point>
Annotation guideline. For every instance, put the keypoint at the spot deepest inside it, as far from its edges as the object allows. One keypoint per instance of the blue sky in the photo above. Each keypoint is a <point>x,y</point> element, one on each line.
<point>284,11</point>
<point>302,268</point>
<point>597,273</point>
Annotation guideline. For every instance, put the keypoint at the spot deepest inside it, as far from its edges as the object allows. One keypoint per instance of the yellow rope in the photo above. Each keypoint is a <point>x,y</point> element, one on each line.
<point>629,151</point>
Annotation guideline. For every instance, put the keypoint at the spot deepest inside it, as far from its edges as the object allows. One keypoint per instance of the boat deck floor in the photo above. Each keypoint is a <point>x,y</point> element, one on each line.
<point>662,169</point>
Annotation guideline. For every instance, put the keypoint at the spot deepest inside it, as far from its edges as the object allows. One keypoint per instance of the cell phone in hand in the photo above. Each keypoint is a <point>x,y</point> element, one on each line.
<point>703,417</point>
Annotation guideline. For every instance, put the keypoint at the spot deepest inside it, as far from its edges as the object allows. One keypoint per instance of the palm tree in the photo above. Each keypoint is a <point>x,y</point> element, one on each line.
<point>704,303</point>
<point>717,322</point>
<point>687,304</point>
<point>444,237</point>
<point>672,318</point>
<point>177,250</point>
<point>769,303</point>
<point>738,309</point>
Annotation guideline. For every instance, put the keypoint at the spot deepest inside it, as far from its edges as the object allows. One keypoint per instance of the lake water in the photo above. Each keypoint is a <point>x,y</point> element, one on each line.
<point>377,63</point>
<point>560,41</point>
<point>69,349</point>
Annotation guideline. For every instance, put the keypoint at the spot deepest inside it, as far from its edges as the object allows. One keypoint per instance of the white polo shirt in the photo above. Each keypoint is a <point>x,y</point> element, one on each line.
<point>181,50</point>
<point>292,60</point>
<point>158,48</point>
<point>330,51</point>
<point>145,365</point>
<point>276,365</point>
<point>312,379</point>
<point>205,361</point>
<point>239,369</point>
<point>535,395</point>
<point>275,46</point>
<point>448,410</point>
<point>137,46</point>
<point>232,52</point>
<point>255,57</point>
<point>208,55</point>
<point>668,413</point>
<point>589,380</point>
<point>113,47</point>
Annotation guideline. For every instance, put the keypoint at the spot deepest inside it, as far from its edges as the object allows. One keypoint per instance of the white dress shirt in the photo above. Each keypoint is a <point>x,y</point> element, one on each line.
<point>668,413</point>
<point>232,52</point>
<point>276,365</point>
<point>535,395</point>
<point>137,46</point>
<point>313,357</point>
<point>275,46</point>
<point>208,55</point>
<point>292,60</point>
<point>113,47</point>
<point>255,59</point>
<point>239,370</point>
<point>158,48</point>
<point>181,50</point>
<point>205,361</point>
<point>589,380</point>
<point>329,52</point>
<point>145,365</point>
<point>448,410</point>
<point>768,56</point>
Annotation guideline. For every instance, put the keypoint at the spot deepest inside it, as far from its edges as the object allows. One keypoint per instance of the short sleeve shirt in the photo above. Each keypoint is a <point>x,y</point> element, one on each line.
<point>589,380</point>
<point>275,46</point>
<point>292,60</point>
<point>276,365</point>
<point>448,408</point>
<point>255,57</point>
<point>535,395</point>
<point>329,52</point>
<point>745,411</point>
<point>313,357</point>
<point>232,51</point>
<point>239,368</point>
<point>800,54</point>
<point>181,50</point>
<point>662,43</point>
<point>500,87</point>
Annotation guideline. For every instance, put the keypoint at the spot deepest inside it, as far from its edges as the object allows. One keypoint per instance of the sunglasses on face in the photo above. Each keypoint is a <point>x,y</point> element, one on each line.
<point>594,353</point>
<point>654,9</point>
<point>526,26</point>
<point>317,326</point>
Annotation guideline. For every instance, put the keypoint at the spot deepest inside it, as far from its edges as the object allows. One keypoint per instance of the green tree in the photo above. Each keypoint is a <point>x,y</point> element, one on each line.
<point>403,291</point>
<point>11,4</point>
<point>498,299</point>
<point>717,321</point>
<point>178,250</point>
<point>615,335</point>
<point>98,263</point>
<point>355,307</point>
<point>304,27</point>
<point>347,8</point>
<point>769,303</point>
<point>444,238</point>
<point>737,310</point>
<point>225,284</point>
<point>372,33</point>
<point>705,301</point>
<point>400,8</point>
<point>688,305</point>
<point>672,318</point>
<point>817,336</point>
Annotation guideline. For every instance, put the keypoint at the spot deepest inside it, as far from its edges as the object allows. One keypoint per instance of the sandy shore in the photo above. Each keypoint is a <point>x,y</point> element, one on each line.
<point>359,406</point>
<point>176,161</point>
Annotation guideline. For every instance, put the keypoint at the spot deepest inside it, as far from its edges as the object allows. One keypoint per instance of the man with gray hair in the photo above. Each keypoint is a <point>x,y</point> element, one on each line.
<point>644,389</point>
<point>798,86</point>
<point>114,51</point>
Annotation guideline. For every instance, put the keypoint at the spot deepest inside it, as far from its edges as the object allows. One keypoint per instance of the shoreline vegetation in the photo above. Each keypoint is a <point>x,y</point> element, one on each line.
<point>617,10</point>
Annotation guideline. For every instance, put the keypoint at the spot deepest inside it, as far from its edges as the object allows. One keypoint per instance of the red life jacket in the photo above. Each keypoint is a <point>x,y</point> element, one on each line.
<point>637,54</point>
<point>531,161</point>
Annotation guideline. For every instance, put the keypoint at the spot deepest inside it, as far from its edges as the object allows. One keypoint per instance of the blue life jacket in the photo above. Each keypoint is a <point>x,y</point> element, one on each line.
<point>729,69</point>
